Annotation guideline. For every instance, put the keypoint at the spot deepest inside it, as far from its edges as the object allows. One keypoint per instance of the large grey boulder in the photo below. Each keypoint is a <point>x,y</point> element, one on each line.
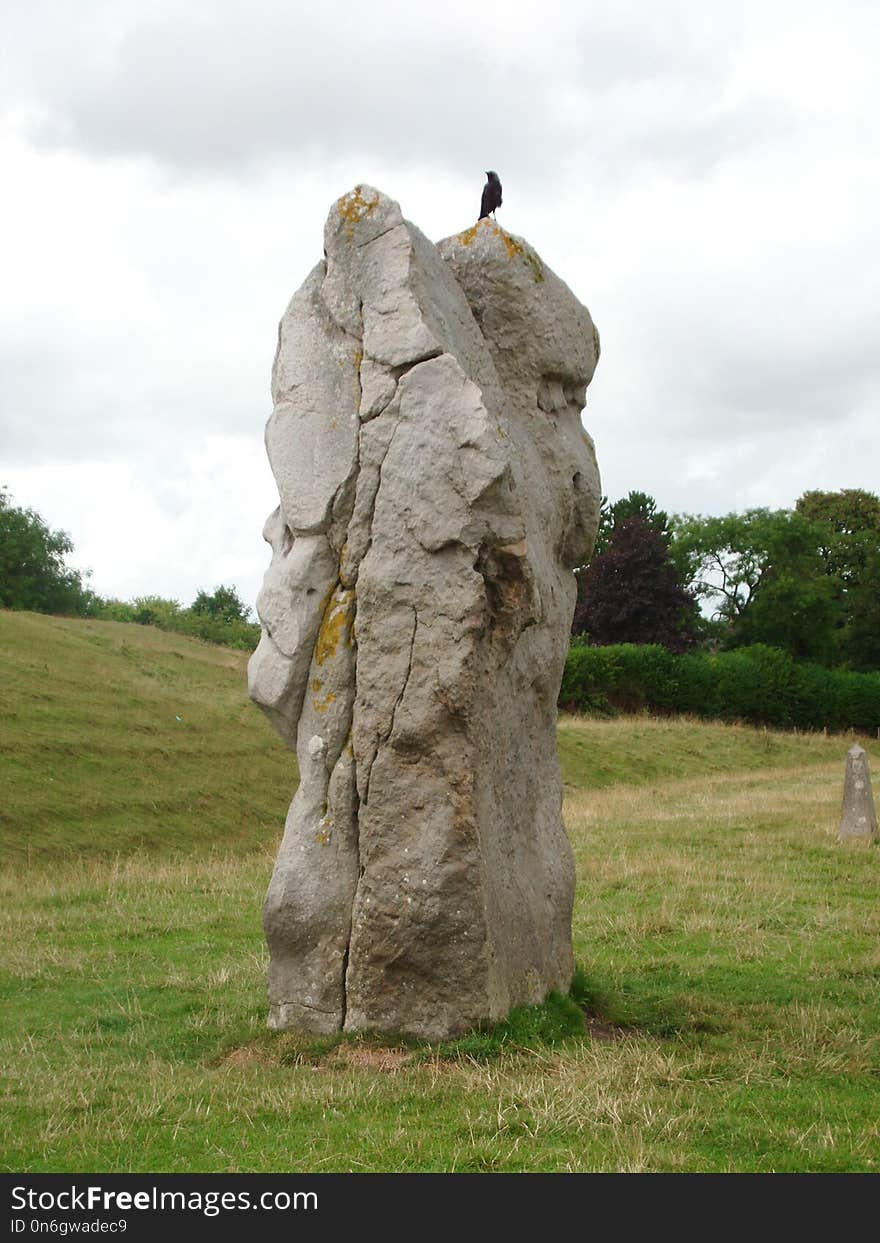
<point>858,819</point>
<point>436,489</point>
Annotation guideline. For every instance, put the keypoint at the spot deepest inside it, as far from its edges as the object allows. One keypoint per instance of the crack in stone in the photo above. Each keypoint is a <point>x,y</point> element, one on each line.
<point>401,369</point>
<point>412,644</point>
<point>357,848</point>
<point>397,373</point>
<point>307,1006</point>
<point>383,741</point>
<point>384,233</point>
<point>352,571</point>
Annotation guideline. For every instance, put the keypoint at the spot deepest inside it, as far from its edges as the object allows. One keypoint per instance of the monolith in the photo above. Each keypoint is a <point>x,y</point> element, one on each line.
<point>436,489</point>
<point>858,819</point>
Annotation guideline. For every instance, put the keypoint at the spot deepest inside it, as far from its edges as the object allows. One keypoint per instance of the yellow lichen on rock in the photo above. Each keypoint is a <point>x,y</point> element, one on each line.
<point>336,623</point>
<point>353,207</point>
<point>469,235</point>
<point>324,705</point>
<point>515,248</point>
<point>511,245</point>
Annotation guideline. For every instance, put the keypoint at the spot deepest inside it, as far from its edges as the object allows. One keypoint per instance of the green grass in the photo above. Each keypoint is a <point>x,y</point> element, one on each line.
<point>596,752</point>
<point>729,949</point>
<point>116,736</point>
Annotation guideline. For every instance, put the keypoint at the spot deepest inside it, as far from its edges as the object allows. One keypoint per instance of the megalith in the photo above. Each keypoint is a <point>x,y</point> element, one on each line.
<point>436,489</point>
<point>858,819</point>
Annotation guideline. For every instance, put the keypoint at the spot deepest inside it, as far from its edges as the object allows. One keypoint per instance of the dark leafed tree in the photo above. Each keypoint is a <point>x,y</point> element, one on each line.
<point>632,593</point>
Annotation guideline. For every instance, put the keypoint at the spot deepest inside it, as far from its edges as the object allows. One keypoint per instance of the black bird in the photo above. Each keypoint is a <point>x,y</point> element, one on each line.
<point>491,195</point>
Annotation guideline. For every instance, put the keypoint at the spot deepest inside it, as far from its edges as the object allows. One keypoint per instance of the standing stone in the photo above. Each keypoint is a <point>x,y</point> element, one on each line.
<point>858,818</point>
<point>436,490</point>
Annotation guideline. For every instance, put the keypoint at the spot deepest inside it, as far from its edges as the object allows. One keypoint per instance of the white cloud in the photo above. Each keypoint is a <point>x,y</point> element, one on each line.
<point>161,526</point>
<point>703,176</point>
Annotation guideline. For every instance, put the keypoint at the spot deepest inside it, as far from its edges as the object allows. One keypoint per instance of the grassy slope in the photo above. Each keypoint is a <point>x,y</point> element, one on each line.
<point>93,758</point>
<point>719,925</point>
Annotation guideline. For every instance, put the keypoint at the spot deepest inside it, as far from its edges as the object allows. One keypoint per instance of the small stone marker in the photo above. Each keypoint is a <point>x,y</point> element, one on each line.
<point>858,818</point>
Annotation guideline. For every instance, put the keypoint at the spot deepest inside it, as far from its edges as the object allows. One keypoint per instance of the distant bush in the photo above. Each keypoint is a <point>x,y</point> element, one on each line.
<point>165,614</point>
<point>758,684</point>
<point>232,632</point>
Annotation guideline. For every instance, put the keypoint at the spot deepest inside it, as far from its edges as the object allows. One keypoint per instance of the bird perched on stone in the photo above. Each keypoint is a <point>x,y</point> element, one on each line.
<point>491,195</point>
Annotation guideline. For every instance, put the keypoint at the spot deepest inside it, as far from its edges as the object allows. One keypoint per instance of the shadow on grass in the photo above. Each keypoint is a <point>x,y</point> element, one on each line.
<point>586,1013</point>
<point>562,1020</point>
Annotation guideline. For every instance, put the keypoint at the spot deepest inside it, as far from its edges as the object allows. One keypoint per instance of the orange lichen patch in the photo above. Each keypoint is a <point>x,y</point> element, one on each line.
<point>336,623</point>
<point>515,248</point>
<point>322,837</point>
<point>511,245</point>
<point>353,207</point>
<point>323,705</point>
<point>469,235</point>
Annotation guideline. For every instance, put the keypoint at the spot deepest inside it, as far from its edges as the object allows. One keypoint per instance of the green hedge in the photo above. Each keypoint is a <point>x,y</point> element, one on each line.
<point>758,684</point>
<point>168,615</point>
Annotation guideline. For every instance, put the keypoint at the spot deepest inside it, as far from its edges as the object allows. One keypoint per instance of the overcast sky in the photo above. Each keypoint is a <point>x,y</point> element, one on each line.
<point>704,175</point>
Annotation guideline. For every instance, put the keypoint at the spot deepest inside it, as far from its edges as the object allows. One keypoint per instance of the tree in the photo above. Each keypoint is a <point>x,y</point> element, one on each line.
<point>861,638</point>
<point>763,573</point>
<point>850,521</point>
<point>33,573</point>
<point>223,604</point>
<point>633,505</point>
<point>849,546</point>
<point>631,592</point>
<point>155,611</point>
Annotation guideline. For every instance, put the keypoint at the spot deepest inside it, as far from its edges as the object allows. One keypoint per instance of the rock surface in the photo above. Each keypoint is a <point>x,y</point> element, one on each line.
<point>858,819</point>
<point>436,489</point>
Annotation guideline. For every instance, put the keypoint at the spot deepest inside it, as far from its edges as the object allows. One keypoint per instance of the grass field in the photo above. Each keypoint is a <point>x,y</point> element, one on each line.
<point>729,948</point>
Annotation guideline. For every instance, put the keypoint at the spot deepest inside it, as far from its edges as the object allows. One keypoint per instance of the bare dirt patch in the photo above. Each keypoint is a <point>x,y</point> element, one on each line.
<point>605,1032</point>
<point>368,1057</point>
<point>249,1055</point>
